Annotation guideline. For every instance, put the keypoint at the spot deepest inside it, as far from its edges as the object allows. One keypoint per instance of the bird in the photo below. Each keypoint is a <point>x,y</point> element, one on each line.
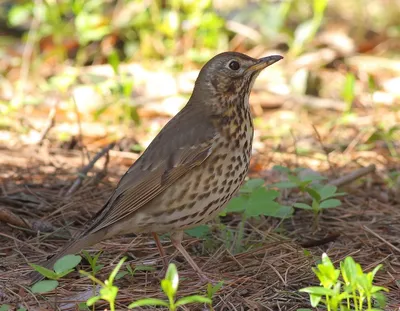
<point>191,169</point>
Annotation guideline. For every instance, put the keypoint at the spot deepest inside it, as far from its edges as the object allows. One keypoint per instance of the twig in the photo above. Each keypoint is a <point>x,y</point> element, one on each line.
<point>325,150</point>
<point>83,172</point>
<point>346,179</point>
<point>382,239</point>
<point>51,121</point>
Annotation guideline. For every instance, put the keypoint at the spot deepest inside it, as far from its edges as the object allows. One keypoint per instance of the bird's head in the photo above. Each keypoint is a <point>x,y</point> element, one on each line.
<point>230,76</point>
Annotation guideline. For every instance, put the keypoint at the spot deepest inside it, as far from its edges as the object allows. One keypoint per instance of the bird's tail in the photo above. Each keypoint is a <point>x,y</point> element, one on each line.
<point>72,247</point>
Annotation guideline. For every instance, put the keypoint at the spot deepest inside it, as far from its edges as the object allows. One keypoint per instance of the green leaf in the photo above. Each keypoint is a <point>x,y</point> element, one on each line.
<point>21,309</point>
<point>142,268</point>
<point>312,177</point>
<point>148,302</point>
<point>62,274</point>
<point>109,293</point>
<point>66,263</point>
<point>327,191</point>
<point>192,299</point>
<point>302,205</point>
<point>19,14</point>
<point>316,290</point>
<point>380,299</point>
<point>313,193</point>
<point>261,203</point>
<point>211,290</point>
<point>44,286</point>
<point>121,274</point>
<point>199,231</point>
<point>92,300</point>
<point>237,204</point>
<point>5,307</point>
<point>44,271</point>
<point>281,169</point>
<point>284,185</point>
<point>173,278</point>
<point>315,299</point>
<point>253,184</point>
<point>116,269</point>
<point>330,203</point>
<point>83,306</point>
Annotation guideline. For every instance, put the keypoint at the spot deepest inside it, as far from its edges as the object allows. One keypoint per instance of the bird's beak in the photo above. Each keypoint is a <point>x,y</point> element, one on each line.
<point>265,62</point>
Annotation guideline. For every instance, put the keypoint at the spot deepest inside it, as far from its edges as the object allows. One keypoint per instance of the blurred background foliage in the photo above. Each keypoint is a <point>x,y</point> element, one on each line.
<point>44,44</point>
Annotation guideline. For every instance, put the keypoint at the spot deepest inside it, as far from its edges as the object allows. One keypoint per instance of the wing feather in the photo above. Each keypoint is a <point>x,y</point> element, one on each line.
<point>149,176</point>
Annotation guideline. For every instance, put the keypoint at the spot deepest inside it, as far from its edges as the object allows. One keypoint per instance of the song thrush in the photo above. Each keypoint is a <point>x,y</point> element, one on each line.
<point>194,165</point>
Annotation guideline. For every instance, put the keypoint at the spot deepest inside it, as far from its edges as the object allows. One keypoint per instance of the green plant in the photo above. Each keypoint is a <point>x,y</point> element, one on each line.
<point>348,92</point>
<point>108,291</point>
<point>353,292</point>
<point>389,135</point>
<point>211,290</point>
<point>169,286</point>
<point>132,272</point>
<point>93,261</point>
<point>322,196</point>
<point>255,200</point>
<point>306,31</point>
<point>62,267</point>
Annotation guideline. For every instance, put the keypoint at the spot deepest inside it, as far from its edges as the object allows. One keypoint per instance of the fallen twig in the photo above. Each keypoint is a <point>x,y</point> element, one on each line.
<point>51,121</point>
<point>84,171</point>
<point>382,239</point>
<point>348,178</point>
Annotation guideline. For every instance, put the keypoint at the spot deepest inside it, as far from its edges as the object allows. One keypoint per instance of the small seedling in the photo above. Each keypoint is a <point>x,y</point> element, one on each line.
<point>108,291</point>
<point>93,261</point>
<point>322,198</point>
<point>132,272</point>
<point>351,293</point>
<point>211,290</point>
<point>255,200</point>
<point>170,287</point>
<point>62,267</point>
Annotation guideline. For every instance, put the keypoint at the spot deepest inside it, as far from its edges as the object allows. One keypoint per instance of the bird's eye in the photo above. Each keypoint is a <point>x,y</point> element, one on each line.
<point>234,65</point>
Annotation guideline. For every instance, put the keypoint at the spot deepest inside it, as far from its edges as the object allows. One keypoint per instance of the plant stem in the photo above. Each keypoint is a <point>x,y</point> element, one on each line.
<point>240,234</point>
<point>328,303</point>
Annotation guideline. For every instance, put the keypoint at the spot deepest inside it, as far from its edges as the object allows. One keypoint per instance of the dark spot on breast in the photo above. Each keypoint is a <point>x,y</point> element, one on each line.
<point>219,169</point>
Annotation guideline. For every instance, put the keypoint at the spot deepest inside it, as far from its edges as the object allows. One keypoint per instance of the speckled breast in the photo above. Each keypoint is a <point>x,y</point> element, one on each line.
<point>203,192</point>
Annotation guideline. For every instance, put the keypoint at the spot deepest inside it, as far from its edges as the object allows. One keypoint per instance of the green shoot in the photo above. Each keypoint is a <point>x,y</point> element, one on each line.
<point>353,292</point>
<point>169,285</point>
<point>108,291</point>
<point>62,267</point>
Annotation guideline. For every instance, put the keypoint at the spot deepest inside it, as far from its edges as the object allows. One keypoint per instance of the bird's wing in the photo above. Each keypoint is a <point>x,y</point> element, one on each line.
<point>183,144</point>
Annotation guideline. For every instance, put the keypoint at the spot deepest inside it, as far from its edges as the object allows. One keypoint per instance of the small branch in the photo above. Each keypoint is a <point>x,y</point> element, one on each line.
<point>325,150</point>
<point>349,178</point>
<point>382,239</point>
<point>51,121</point>
<point>85,170</point>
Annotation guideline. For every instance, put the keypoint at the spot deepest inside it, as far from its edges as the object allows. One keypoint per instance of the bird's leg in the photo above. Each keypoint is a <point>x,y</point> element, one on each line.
<point>160,249</point>
<point>176,239</point>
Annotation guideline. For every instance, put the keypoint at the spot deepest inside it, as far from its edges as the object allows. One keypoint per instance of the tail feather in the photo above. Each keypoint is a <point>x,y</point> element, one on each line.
<point>72,247</point>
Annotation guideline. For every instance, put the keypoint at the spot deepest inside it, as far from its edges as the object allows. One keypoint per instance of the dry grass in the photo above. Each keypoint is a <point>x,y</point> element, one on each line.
<point>265,277</point>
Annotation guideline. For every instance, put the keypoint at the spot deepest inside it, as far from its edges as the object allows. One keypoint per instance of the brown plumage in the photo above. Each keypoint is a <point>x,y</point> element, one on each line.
<point>192,168</point>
